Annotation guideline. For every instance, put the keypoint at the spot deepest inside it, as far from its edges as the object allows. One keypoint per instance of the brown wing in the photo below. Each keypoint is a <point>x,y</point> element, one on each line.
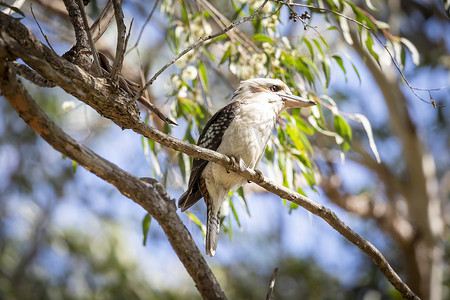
<point>210,138</point>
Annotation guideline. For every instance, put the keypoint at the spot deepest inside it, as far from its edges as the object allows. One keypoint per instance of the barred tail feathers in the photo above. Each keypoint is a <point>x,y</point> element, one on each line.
<point>212,232</point>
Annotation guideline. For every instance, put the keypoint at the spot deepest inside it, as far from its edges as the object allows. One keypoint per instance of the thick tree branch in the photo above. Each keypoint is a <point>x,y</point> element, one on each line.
<point>152,199</point>
<point>111,104</point>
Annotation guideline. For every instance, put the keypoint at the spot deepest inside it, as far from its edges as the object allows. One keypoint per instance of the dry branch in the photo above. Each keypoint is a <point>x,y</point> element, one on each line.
<point>121,45</point>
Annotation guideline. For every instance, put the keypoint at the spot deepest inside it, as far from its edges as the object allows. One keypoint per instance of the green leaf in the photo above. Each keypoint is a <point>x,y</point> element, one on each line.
<point>241,198</point>
<point>238,10</point>
<point>14,9</point>
<point>235,214</point>
<point>209,54</point>
<point>74,166</point>
<point>415,56</point>
<point>182,165</point>
<point>303,126</point>
<point>369,45</point>
<point>197,222</point>
<point>340,62</point>
<point>203,75</point>
<point>293,206</point>
<point>368,128</point>
<point>225,56</point>
<point>310,47</point>
<point>260,37</point>
<point>343,129</point>
<point>184,13</point>
<point>326,71</point>
<point>357,73</point>
<point>324,41</point>
<point>316,42</point>
<point>146,227</point>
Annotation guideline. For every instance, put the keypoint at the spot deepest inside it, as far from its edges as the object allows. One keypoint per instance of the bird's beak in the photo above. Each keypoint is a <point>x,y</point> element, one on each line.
<point>293,101</point>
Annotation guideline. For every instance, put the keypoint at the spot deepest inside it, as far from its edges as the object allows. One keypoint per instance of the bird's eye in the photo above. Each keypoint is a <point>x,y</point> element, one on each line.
<point>274,88</point>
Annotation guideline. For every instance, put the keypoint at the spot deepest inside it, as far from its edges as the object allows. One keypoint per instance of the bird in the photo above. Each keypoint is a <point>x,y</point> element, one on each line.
<point>240,130</point>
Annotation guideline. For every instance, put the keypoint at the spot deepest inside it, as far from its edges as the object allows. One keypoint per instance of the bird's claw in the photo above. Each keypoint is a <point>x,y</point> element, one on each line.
<point>232,163</point>
<point>237,165</point>
<point>259,175</point>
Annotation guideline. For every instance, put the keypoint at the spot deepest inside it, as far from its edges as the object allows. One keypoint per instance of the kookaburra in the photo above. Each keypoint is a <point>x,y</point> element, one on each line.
<point>241,131</point>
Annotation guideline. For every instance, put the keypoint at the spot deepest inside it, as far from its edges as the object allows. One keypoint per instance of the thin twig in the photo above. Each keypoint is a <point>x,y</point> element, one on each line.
<point>413,89</point>
<point>120,48</point>
<point>197,44</point>
<point>42,32</point>
<point>272,284</point>
<point>143,26</point>
<point>33,76</point>
<point>89,36</point>
<point>102,23</point>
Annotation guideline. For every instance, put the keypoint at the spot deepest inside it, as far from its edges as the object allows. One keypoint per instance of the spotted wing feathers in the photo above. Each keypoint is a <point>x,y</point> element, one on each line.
<point>210,138</point>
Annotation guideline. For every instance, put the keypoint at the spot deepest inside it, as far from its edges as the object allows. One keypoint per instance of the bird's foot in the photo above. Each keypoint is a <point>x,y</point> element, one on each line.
<point>234,164</point>
<point>259,177</point>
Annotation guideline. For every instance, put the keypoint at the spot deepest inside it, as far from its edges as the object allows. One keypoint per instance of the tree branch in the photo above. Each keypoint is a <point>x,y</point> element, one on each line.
<point>89,37</point>
<point>102,23</point>
<point>112,104</point>
<point>153,199</point>
<point>269,295</point>
<point>121,45</point>
<point>77,22</point>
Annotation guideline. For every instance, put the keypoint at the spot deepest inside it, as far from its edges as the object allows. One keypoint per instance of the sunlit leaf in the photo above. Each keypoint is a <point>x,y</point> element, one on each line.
<point>316,42</point>
<point>340,62</point>
<point>197,222</point>
<point>146,227</point>
<point>345,30</point>
<point>311,50</point>
<point>370,5</point>
<point>203,76</point>
<point>369,45</point>
<point>181,165</point>
<point>326,71</point>
<point>357,72</point>
<point>414,52</point>
<point>293,206</point>
<point>343,128</point>
<point>241,198</point>
<point>368,129</point>
<point>301,125</point>
<point>260,37</point>
<point>235,214</point>
<point>13,8</point>
<point>225,56</point>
